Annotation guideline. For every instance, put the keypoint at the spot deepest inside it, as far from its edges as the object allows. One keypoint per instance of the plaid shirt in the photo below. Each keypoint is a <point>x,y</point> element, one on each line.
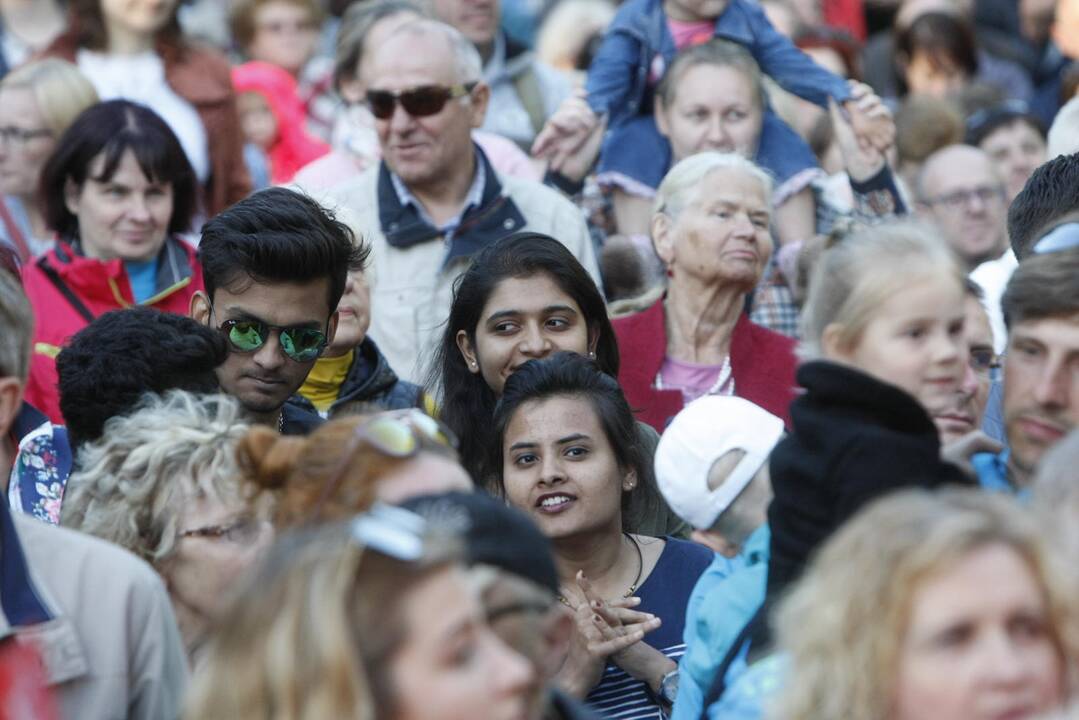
<point>773,303</point>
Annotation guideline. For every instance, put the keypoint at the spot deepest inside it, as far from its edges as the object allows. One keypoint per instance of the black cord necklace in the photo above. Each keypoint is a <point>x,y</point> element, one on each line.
<point>636,581</point>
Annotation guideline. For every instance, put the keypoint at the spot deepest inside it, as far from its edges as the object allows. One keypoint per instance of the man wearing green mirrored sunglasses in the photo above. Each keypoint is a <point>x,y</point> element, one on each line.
<point>275,267</point>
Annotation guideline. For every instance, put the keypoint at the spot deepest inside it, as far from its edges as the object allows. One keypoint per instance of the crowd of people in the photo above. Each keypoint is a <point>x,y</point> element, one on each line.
<point>512,360</point>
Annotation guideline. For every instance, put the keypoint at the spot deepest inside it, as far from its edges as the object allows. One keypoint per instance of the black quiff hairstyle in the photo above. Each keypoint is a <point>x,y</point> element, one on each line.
<point>109,365</point>
<point>109,129</point>
<point>278,235</point>
<point>466,397</point>
<point>1051,192</point>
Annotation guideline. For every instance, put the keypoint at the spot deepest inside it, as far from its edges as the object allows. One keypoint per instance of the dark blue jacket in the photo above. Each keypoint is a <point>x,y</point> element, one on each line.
<point>370,386</point>
<point>618,78</point>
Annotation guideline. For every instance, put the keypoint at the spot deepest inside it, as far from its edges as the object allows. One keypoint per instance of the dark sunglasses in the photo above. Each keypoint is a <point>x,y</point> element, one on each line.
<point>397,433</point>
<point>298,343</point>
<point>417,102</point>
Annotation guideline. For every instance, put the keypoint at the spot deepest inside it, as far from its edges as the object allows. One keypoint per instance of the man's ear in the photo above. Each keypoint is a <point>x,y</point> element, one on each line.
<point>481,96</point>
<point>199,309</point>
<point>11,403</point>
<point>464,344</point>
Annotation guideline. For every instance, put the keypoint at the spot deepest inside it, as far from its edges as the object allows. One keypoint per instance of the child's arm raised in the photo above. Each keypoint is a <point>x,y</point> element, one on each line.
<point>780,60</point>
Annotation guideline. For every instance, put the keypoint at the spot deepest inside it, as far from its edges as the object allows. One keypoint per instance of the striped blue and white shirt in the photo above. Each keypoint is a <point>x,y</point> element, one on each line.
<point>665,594</point>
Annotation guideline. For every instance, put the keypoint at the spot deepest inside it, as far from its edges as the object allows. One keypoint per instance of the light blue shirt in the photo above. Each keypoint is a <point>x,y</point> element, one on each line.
<point>992,471</point>
<point>725,598</point>
<point>474,198</point>
<point>143,278</point>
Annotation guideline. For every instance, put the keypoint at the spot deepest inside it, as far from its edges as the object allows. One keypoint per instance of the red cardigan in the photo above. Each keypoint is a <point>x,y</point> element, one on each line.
<point>762,362</point>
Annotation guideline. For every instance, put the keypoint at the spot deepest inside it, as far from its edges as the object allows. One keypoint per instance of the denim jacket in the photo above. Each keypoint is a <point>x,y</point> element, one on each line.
<point>618,78</point>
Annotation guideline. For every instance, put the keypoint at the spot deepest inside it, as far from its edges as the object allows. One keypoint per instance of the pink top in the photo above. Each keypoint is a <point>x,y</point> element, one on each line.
<point>694,32</point>
<point>695,380</point>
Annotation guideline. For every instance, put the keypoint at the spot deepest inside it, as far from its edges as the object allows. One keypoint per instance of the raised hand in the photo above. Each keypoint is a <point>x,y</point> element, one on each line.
<point>860,159</point>
<point>870,117</point>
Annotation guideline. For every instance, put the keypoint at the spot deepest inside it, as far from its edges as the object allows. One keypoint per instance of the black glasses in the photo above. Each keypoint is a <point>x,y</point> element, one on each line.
<point>22,136</point>
<point>397,434</point>
<point>985,363</point>
<point>418,102</point>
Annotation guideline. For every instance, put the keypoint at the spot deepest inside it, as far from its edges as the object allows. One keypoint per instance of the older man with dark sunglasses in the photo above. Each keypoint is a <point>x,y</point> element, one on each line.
<point>435,199</point>
<point>275,267</point>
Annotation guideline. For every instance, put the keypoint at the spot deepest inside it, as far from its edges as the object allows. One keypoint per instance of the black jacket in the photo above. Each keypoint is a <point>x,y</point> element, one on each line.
<point>854,439</point>
<point>370,386</point>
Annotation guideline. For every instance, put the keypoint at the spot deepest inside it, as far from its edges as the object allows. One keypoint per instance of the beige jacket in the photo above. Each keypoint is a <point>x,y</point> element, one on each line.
<point>411,291</point>
<point>112,649</point>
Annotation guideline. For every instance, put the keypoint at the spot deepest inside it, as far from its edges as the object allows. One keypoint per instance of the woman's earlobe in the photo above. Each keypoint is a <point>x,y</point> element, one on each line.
<point>629,481</point>
<point>464,346</point>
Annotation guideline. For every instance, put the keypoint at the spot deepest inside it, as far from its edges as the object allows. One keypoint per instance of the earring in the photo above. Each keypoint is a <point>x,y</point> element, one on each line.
<point>472,364</point>
<point>592,354</point>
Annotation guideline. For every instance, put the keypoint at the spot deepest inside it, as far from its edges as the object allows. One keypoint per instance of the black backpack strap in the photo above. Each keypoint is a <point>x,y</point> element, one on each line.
<point>62,287</point>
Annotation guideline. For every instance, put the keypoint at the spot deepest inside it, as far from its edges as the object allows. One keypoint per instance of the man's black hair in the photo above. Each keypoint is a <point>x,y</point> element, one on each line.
<point>109,365</point>
<point>1051,193</point>
<point>278,235</point>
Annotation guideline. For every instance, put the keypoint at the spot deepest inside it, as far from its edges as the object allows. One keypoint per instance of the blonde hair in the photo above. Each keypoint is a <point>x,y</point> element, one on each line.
<point>132,485</point>
<point>857,595</point>
<point>857,274</point>
<point>297,471</point>
<point>312,633</point>
<point>59,88</point>
<point>681,183</point>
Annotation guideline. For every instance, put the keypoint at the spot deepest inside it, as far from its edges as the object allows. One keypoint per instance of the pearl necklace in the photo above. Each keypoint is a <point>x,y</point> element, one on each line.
<point>724,384</point>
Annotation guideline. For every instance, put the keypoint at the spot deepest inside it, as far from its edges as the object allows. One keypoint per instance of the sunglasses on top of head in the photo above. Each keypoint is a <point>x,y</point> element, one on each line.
<point>418,102</point>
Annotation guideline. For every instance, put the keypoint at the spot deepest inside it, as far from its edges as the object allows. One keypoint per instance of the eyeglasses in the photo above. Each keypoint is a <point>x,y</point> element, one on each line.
<point>241,531</point>
<point>961,199</point>
<point>302,344</point>
<point>985,363</point>
<point>417,102</point>
<point>22,136</point>
<point>279,27</point>
<point>397,434</point>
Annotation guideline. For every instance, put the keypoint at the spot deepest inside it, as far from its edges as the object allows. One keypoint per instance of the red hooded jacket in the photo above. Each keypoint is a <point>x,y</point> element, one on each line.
<point>100,286</point>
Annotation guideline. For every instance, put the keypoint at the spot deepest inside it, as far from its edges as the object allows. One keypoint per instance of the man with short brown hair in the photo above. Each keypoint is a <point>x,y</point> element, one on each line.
<point>1041,381</point>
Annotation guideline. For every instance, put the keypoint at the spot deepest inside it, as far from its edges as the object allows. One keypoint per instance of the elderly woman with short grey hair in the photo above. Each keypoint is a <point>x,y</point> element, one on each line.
<point>711,228</point>
<point>163,484</point>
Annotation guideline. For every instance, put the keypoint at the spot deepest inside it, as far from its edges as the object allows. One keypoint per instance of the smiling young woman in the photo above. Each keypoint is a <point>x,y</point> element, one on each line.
<point>568,452</point>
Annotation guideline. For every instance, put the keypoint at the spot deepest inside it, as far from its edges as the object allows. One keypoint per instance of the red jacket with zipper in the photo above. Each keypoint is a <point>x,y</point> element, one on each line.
<point>101,286</point>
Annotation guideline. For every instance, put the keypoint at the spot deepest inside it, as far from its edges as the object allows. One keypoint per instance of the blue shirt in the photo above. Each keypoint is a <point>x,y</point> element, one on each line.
<point>992,471</point>
<point>474,198</point>
<point>724,600</point>
<point>665,594</point>
<point>143,278</point>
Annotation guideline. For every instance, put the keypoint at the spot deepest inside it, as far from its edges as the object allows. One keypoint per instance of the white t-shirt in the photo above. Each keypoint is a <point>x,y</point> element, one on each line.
<point>993,276</point>
<point>141,78</point>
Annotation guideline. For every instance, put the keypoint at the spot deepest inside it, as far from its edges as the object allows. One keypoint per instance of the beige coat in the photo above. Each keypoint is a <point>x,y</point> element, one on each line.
<point>112,649</point>
<point>411,292</point>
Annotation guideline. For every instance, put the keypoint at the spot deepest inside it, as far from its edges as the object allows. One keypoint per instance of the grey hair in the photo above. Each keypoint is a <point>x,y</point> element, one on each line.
<point>466,58</point>
<point>131,486</point>
<point>17,323</point>
<point>680,185</point>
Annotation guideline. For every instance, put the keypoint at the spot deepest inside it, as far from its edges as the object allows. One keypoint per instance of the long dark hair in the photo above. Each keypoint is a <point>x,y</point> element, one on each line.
<point>566,374</point>
<point>467,401</point>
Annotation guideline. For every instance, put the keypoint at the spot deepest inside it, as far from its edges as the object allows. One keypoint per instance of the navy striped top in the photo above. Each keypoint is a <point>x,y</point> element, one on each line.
<point>665,593</point>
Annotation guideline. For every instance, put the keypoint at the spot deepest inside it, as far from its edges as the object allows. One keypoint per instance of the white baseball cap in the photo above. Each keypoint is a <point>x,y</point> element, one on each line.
<point>706,430</point>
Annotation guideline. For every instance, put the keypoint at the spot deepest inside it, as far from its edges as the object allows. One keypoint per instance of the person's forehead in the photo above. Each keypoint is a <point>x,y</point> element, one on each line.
<point>1060,332</point>
<point>278,303</point>
<point>408,58</point>
<point>714,84</point>
<point>958,169</point>
<point>1015,131</point>
<point>735,186</point>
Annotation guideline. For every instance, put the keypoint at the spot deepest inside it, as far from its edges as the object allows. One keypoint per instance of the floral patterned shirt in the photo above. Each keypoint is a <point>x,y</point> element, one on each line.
<point>42,465</point>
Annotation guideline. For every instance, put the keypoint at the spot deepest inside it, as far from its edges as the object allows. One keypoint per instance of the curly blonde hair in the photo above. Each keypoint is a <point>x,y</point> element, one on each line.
<point>131,485</point>
<point>843,624</point>
<point>312,633</point>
